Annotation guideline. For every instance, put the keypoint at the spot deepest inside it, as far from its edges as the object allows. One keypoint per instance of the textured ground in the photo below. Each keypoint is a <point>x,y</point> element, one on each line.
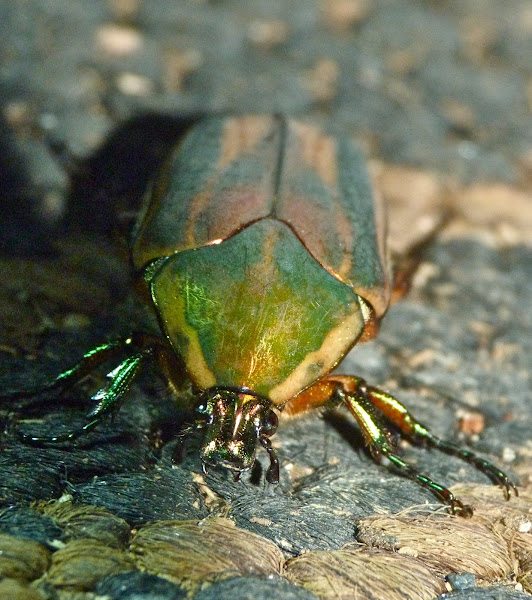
<point>439,98</point>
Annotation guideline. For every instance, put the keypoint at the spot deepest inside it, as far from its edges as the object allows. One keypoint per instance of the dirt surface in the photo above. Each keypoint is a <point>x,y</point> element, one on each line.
<point>92,96</point>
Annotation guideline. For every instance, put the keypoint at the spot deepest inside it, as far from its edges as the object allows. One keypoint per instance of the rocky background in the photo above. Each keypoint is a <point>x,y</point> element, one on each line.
<point>438,95</point>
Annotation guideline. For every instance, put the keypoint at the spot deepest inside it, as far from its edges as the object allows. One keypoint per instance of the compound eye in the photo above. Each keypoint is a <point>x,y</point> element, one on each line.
<point>202,412</point>
<point>270,423</point>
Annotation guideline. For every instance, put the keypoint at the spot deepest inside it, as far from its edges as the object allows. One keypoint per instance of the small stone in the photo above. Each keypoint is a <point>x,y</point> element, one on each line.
<point>508,455</point>
<point>460,114</point>
<point>17,113</point>
<point>178,65</point>
<point>342,15</point>
<point>471,423</point>
<point>132,84</point>
<point>322,82</point>
<point>118,40</point>
<point>461,581</point>
<point>525,527</point>
<point>267,33</point>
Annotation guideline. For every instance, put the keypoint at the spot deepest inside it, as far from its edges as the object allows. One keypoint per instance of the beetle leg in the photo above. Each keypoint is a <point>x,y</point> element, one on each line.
<point>379,443</point>
<point>357,396</point>
<point>407,263</point>
<point>67,379</point>
<point>89,362</point>
<point>272,475</point>
<point>107,399</point>
<point>420,435</point>
<point>180,450</point>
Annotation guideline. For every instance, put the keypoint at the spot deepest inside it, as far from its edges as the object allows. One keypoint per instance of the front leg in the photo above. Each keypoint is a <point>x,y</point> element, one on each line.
<point>371,408</point>
<point>135,351</point>
<point>420,435</point>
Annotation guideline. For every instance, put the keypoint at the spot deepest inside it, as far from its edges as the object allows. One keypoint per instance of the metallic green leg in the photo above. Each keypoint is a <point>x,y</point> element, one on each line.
<point>369,405</point>
<point>397,414</point>
<point>379,443</point>
<point>423,436</point>
<point>108,400</point>
<point>90,361</point>
<point>109,397</point>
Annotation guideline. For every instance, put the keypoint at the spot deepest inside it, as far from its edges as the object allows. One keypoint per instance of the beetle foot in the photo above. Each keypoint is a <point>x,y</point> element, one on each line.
<point>457,507</point>
<point>60,438</point>
<point>510,487</point>
<point>272,474</point>
<point>484,466</point>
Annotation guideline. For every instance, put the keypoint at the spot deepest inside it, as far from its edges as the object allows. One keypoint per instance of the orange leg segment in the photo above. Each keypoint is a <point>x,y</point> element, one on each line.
<point>373,409</point>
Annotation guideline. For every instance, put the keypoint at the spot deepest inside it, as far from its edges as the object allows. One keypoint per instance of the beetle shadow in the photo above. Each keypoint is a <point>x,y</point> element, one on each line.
<point>108,187</point>
<point>22,232</point>
<point>104,190</point>
<point>348,430</point>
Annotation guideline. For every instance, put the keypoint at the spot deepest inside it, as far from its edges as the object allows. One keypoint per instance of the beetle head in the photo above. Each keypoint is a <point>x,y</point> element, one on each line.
<point>235,420</point>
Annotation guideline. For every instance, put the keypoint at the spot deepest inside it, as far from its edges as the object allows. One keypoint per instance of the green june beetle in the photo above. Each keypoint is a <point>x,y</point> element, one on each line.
<point>261,249</point>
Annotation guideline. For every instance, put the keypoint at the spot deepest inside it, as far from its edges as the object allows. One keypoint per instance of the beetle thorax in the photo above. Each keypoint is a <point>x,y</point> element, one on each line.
<point>256,311</point>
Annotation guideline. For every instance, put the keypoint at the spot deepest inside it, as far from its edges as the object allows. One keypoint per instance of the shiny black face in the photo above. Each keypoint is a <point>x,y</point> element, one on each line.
<point>234,421</point>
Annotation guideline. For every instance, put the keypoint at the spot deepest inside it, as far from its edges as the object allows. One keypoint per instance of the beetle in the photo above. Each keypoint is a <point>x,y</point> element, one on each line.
<point>261,250</point>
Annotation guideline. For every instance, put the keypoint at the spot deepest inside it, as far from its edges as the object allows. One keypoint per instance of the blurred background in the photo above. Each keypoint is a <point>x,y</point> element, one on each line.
<point>441,85</point>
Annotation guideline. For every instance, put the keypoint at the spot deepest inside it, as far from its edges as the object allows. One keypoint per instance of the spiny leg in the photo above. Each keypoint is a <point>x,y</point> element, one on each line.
<point>139,346</point>
<point>396,413</point>
<point>378,440</point>
<point>67,379</point>
<point>352,391</point>
<point>107,399</point>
